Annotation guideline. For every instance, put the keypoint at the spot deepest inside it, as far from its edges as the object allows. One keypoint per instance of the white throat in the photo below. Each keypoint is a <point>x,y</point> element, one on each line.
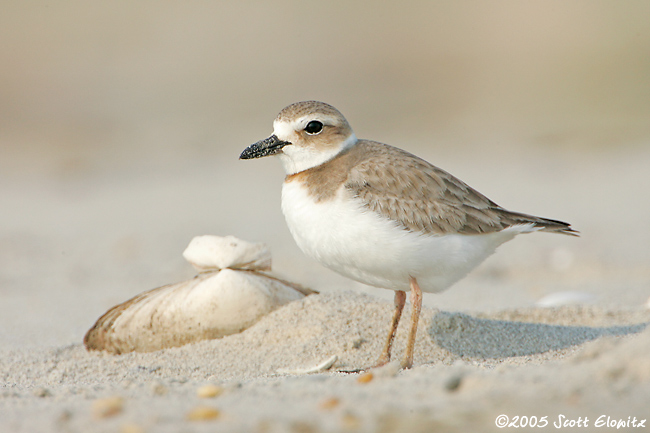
<point>297,158</point>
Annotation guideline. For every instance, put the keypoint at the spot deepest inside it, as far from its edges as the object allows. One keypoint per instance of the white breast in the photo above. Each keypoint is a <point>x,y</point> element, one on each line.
<point>371,249</point>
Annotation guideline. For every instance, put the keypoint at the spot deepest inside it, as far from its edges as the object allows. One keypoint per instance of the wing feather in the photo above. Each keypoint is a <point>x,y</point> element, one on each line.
<point>424,198</point>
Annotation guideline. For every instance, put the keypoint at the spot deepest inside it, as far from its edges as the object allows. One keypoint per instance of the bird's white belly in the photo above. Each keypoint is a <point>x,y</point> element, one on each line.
<point>371,249</point>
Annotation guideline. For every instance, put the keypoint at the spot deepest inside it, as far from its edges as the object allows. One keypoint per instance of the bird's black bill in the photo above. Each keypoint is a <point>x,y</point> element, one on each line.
<point>266,147</point>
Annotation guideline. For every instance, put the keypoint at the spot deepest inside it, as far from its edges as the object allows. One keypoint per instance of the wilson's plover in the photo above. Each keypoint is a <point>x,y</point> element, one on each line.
<point>380,215</point>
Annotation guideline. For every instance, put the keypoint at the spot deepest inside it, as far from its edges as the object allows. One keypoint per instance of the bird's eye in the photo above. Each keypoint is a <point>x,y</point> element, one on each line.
<point>314,127</point>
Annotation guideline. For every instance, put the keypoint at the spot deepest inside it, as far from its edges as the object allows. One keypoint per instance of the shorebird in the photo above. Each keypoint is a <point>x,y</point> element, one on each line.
<point>380,215</point>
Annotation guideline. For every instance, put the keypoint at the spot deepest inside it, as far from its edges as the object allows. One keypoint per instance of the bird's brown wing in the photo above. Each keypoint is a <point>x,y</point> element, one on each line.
<point>423,198</point>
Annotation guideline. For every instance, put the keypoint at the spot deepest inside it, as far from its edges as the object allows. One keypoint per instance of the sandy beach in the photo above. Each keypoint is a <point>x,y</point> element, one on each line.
<point>120,131</point>
<point>577,362</point>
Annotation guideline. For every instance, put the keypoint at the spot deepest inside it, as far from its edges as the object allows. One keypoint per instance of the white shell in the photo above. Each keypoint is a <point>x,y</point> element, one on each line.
<point>559,299</point>
<point>211,305</point>
<point>323,366</point>
<point>208,253</point>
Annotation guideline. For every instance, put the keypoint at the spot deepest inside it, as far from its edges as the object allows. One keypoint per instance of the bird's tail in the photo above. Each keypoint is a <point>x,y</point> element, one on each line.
<point>539,223</point>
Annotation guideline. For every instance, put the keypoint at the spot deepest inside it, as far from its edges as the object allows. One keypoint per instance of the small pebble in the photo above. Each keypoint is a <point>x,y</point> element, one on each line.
<point>157,388</point>
<point>42,392</point>
<point>365,377</point>
<point>330,403</point>
<point>209,391</point>
<point>453,383</point>
<point>202,413</point>
<point>354,343</point>
<point>107,407</point>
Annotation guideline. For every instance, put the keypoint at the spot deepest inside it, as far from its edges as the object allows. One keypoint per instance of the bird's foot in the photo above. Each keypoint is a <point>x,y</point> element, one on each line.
<point>406,364</point>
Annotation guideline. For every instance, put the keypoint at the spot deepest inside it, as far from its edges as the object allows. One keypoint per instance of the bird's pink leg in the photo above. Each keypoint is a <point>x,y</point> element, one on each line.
<point>400,300</point>
<point>416,302</point>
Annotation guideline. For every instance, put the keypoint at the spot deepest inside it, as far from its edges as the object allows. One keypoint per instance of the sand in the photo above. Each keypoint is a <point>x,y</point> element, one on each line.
<point>572,361</point>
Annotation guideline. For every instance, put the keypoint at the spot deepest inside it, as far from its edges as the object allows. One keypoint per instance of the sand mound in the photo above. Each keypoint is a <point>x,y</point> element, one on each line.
<point>579,359</point>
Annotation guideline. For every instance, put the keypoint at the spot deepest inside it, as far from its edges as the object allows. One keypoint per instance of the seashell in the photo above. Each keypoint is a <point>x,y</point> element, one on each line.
<point>323,366</point>
<point>209,391</point>
<point>210,253</point>
<point>107,407</point>
<point>211,305</point>
<point>202,413</point>
<point>365,377</point>
<point>559,299</point>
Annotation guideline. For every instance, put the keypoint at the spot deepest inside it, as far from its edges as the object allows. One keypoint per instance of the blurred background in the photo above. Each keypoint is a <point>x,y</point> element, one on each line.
<point>121,124</point>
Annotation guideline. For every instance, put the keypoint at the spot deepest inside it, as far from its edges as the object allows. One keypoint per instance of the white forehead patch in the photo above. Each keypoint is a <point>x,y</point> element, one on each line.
<point>283,130</point>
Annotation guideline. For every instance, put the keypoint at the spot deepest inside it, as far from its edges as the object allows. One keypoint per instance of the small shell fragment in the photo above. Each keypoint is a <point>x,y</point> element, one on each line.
<point>202,413</point>
<point>559,299</point>
<point>209,391</point>
<point>211,305</point>
<point>323,366</point>
<point>107,407</point>
<point>365,377</point>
